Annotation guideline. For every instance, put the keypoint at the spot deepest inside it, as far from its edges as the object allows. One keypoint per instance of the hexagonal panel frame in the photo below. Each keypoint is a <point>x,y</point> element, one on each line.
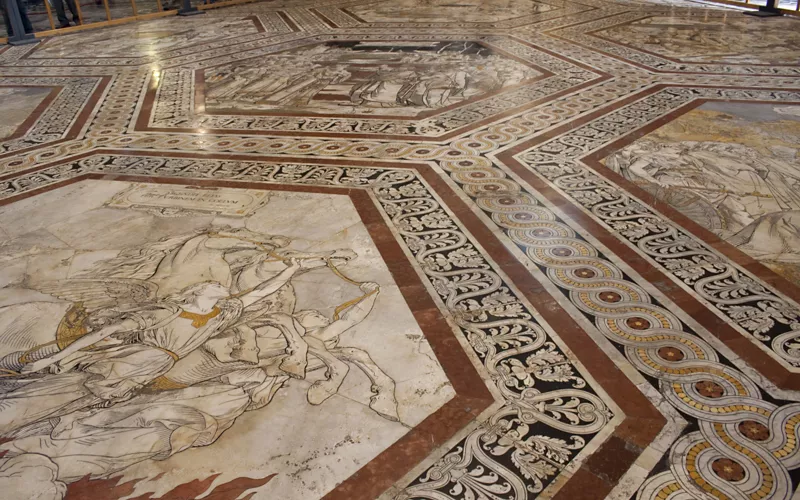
<point>170,102</point>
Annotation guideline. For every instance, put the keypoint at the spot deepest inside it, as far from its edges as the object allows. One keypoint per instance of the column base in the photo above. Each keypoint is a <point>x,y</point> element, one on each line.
<point>191,12</point>
<point>25,40</point>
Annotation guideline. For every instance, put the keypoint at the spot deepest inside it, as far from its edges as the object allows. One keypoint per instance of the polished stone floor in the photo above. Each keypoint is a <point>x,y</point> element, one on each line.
<point>421,249</point>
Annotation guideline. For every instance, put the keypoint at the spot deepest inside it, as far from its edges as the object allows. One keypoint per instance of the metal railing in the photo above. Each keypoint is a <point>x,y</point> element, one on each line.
<point>26,20</point>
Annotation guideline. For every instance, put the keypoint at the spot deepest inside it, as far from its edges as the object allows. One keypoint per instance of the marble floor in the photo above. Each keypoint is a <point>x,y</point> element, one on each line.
<point>422,249</point>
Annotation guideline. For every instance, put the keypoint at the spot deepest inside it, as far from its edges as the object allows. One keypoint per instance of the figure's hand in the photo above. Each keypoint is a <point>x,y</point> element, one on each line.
<point>34,367</point>
<point>308,264</point>
<point>370,287</point>
<point>278,320</point>
<point>293,264</point>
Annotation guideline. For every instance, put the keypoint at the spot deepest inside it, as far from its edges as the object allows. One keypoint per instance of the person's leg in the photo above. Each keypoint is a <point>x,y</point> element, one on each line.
<point>62,16</point>
<point>72,8</point>
<point>26,23</point>
<point>7,21</point>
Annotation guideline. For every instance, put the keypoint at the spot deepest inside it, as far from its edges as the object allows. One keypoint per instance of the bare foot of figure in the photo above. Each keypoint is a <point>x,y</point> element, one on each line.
<point>384,404</point>
<point>323,389</point>
<point>335,372</point>
<point>296,360</point>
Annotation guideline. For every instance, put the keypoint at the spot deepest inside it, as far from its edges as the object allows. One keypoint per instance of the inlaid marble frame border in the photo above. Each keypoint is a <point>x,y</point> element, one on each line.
<point>586,34</point>
<point>169,104</point>
<point>341,17</point>
<point>636,423</point>
<point>758,269</point>
<point>200,85</point>
<point>566,196</point>
<point>598,34</point>
<point>264,23</point>
<point>472,396</point>
<point>23,127</point>
<point>60,117</point>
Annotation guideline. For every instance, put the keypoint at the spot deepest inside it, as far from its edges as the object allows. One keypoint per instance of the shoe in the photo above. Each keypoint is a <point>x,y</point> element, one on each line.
<point>65,25</point>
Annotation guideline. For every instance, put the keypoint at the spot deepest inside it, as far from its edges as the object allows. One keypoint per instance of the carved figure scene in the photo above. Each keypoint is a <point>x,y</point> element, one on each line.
<point>712,40</point>
<point>732,168</point>
<point>137,41</point>
<point>394,78</point>
<point>117,358</point>
<point>443,11</point>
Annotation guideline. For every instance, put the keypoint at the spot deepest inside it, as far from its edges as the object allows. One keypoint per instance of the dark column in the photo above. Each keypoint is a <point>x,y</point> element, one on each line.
<point>769,10</point>
<point>188,10</point>
<point>23,32</point>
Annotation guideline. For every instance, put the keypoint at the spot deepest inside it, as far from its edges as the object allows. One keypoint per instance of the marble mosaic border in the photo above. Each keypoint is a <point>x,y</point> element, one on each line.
<point>266,24</point>
<point>60,117</point>
<point>341,16</point>
<point>550,406</point>
<point>26,125</point>
<point>760,312</point>
<point>715,384</point>
<point>169,107</point>
<point>587,34</point>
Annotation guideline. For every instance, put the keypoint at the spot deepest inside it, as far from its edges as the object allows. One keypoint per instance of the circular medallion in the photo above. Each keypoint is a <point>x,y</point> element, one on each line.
<point>709,389</point>
<point>671,354</point>
<point>638,323</point>
<point>754,430</point>
<point>727,469</point>
<point>610,297</point>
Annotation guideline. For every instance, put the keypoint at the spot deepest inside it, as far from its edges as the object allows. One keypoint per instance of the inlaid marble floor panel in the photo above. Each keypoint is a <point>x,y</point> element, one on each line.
<point>19,105</point>
<point>347,249</point>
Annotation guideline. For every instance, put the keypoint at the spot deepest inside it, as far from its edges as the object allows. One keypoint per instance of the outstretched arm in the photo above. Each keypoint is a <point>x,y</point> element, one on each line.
<point>271,285</point>
<point>87,340</point>
<point>353,316</point>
